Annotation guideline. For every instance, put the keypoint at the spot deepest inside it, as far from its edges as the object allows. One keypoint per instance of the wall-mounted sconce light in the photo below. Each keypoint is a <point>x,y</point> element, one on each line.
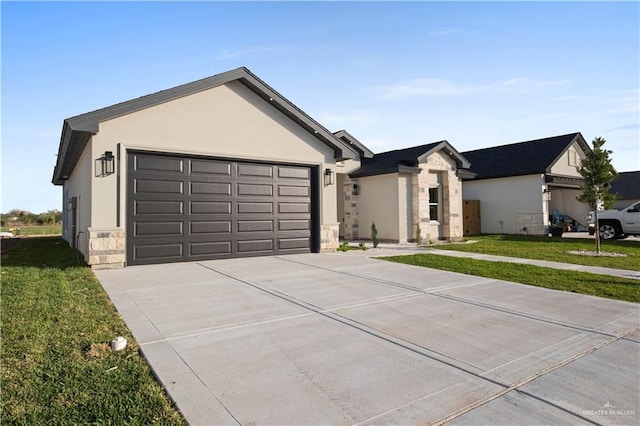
<point>356,189</point>
<point>107,161</point>
<point>328,177</point>
<point>546,194</point>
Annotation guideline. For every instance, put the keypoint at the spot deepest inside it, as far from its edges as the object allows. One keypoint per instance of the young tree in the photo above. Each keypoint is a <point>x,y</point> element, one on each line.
<point>597,171</point>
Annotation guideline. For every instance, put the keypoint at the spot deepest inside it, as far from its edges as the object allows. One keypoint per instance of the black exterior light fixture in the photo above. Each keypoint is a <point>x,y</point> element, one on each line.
<point>328,177</point>
<point>107,163</point>
<point>356,189</point>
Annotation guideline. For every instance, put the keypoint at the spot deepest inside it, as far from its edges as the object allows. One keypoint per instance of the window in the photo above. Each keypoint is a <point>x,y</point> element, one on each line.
<point>573,157</point>
<point>434,203</point>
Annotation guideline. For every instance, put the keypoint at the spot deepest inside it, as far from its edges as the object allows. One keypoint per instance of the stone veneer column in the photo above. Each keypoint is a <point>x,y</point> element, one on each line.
<point>350,209</point>
<point>329,237</point>
<point>107,248</point>
<point>451,194</point>
<point>420,205</point>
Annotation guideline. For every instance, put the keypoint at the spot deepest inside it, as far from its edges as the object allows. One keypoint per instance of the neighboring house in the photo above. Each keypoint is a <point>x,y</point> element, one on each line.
<point>220,167</point>
<point>523,187</point>
<point>399,190</point>
<point>627,187</point>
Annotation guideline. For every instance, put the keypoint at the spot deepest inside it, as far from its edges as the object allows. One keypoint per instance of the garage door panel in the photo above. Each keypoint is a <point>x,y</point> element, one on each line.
<point>293,224</point>
<point>210,227</point>
<point>255,170</point>
<point>158,251</point>
<point>293,191</point>
<point>254,207</point>
<point>293,172</point>
<point>209,167</point>
<point>253,246</point>
<point>294,208</point>
<point>209,188</point>
<point>255,226</point>
<point>254,189</point>
<point>152,229</point>
<point>147,207</point>
<point>142,186</point>
<point>293,243</point>
<point>155,163</point>
<point>210,207</point>
<point>215,209</point>
<point>209,248</point>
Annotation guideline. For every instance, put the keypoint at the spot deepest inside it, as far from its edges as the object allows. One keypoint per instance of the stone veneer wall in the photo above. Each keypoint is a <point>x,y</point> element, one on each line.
<point>532,224</point>
<point>350,209</point>
<point>107,248</point>
<point>451,225</point>
<point>329,237</point>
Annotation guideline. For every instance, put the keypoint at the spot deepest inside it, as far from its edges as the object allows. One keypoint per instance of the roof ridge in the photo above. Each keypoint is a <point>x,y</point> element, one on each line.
<point>411,147</point>
<point>574,134</point>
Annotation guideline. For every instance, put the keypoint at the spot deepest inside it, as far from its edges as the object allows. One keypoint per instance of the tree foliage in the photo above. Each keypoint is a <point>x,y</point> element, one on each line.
<point>24,217</point>
<point>597,172</point>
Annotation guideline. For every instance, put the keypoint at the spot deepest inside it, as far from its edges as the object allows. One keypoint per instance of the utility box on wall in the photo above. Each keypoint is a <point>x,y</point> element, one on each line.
<point>471,217</point>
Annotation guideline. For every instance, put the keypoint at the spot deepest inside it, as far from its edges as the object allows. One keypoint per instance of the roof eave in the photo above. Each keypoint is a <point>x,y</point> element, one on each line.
<point>400,169</point>
<point>350,139</point>
<point>81,126</point>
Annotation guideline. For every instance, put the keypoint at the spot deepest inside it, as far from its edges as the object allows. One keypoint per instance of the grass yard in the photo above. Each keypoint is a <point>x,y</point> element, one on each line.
<point>554,249</point>
<point>36,230</point>
<point>57,366</point>
<point>577,282</point>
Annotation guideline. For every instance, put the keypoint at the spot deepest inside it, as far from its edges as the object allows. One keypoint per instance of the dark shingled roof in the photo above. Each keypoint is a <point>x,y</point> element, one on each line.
<point>518,159</point>
<point>626,185</point>
<point>403,160</point>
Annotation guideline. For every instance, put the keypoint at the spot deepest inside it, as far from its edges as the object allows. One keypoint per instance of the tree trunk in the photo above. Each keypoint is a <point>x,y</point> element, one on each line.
<point>597,233</point>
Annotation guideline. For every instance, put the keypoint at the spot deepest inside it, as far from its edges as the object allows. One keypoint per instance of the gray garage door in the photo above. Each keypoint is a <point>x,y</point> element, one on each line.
<point>189,208</point>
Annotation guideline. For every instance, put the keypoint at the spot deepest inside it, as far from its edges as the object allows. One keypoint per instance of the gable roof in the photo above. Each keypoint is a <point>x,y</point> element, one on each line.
<point>76,131</point>
<point>522,158</point>
<point>351,140</point>
<point>626,185</point>
<point>405,160</point>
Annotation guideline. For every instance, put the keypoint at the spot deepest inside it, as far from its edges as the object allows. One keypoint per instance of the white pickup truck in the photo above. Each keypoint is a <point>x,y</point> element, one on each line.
<point>616,224</point>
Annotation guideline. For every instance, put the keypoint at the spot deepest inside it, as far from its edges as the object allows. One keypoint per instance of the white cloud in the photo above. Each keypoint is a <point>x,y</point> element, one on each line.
<point>440,87</point>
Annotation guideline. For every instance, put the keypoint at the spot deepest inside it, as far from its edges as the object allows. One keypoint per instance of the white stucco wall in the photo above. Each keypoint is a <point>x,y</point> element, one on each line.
<point>378,202</point>
<point>226,121</point>
<point>504,199</point>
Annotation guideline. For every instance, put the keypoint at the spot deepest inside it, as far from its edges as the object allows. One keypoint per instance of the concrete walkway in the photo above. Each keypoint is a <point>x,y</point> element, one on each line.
<point>406,249</point>
<point>344,339</point>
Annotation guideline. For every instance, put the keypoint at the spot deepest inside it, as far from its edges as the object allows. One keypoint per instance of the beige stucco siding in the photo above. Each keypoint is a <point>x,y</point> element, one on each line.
<point>504,199</point>
<point>566,164</point>
<point>405,224</point>
<point>79,185</point>
<point>378,202</point>
<point>226,121</point>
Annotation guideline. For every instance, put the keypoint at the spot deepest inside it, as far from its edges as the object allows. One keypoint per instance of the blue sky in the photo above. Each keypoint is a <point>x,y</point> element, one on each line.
<point>394,75</point>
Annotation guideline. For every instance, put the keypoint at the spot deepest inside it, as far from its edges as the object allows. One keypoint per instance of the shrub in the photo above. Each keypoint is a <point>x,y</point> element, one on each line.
<point>363,246</point>
<point>374,234</point>
<point>418,235</point>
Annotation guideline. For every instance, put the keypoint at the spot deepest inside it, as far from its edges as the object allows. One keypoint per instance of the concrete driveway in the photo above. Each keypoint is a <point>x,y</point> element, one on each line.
<point>345,339</point>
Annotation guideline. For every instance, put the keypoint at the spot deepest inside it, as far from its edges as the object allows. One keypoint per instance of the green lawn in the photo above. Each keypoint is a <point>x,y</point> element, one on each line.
<point>57,367</point>
<point>36,230</point>
<point>577,282</point>
<point>555,249</point>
